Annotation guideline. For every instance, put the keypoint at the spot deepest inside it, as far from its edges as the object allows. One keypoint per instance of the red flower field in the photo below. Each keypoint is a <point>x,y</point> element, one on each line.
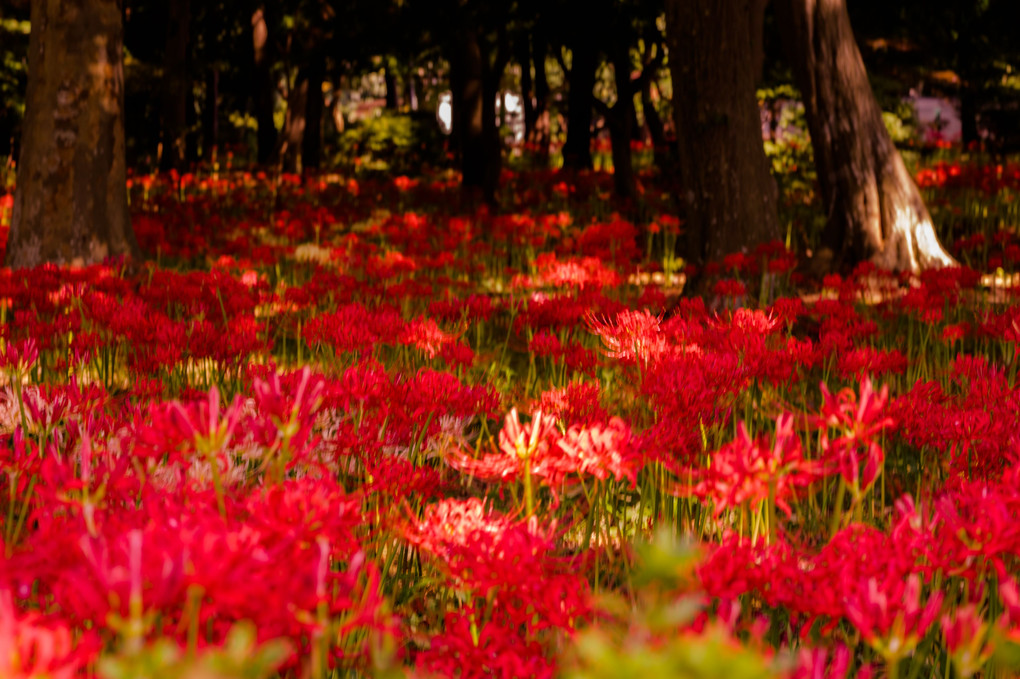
<point>314,437</point>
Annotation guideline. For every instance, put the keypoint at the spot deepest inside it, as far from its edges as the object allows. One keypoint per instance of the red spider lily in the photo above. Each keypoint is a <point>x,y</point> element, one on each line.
<point>747,470</point>
<point>494,649</point>
<point>888,613</point>
<point>509,562</point>
<point>34,647</point>
<point>967,638</point>
<point>633,335</point>
<point>859,421</point>
<point>817,663</point>
<point>286,417</point>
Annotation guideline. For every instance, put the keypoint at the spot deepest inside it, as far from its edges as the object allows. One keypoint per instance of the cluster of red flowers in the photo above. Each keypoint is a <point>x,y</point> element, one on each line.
<point>422,440</point>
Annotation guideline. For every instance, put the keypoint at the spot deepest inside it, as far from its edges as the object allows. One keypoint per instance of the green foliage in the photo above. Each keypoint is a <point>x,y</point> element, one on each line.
<point>238,658</point>
<point>650,641</point>
<point>391,143</point>
<point>13,79</point>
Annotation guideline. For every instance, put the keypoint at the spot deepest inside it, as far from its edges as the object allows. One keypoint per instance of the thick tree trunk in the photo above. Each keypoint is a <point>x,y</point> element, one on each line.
<point>729,194</point>
<point>311,143</point>
<point>873,206</point>
<point>263,87</point>
<point>527,86</point>
<point>211,115</point>
<point>468,103</point>
<point>580,100</point>
<point>475,84</point>
<point>70,204</point>
<point>621,126</point>
<point>175,85</point>
<point>392,89</point>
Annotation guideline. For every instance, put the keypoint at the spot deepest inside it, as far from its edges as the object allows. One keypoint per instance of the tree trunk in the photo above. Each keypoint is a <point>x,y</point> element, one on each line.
<point>175,86</point>
<point>580,100</point>
<point>293,136</point>
<point>211,115</point>
<point>621,125</point>
<point>70,204</point>
<point>264,88</point>
<point>729,194</point>
<point>527,86</point>
<point>392,89</point>
<point>468,102</point>
<point>475,83</point>
<point>873,206</point>
<point>311,144</point>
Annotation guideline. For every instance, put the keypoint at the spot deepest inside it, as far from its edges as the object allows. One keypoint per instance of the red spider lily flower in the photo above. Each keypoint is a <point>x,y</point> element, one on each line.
<point>747,470</point>
<point>19,356</point>
<point>597,450</point>
<point>817,663</point>
<point>33,647</point>
<point>495,650</point>
<point>286,417</point>
<point>631,336</point>
<point>860,421</point>
<point>889,615</point>
<point>967,638</point>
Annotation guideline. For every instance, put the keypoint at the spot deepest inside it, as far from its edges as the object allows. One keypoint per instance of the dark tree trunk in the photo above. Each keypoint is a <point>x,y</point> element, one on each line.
<point>580,101</point>
<point>729,194</point>
<point>70,204</point>
<point>175,85</point>
<point>527,86</point>
<point>392,89</point>
<point>621,125</point>
<point>475,83</point>
<point>311,144</point>
<point>211,115</point>
<point>874,208</point>
<point>264,88</point>
<point>468,102</point>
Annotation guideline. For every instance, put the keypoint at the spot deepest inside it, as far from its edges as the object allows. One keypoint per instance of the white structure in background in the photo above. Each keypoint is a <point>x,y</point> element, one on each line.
<point>937,118</point>
<point>514,118</point>
<point>444,112</point>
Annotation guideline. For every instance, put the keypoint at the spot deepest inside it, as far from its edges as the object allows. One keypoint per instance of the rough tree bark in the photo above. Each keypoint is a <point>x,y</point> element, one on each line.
<point>729,194</point>
<point>70,204</point>
<point>873,207</point>
<point>175,86</point>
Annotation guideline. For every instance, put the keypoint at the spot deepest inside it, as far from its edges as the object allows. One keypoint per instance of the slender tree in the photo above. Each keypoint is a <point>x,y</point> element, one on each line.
<point>873,206</point>
<point>70,204</point>
<point>715,55</point>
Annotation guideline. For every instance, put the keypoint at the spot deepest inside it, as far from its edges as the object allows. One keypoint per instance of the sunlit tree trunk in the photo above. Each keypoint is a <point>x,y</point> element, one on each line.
<point>715,57</point>
<point>873,207</point>
<point>175,85</point>
<point>70,205</point>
